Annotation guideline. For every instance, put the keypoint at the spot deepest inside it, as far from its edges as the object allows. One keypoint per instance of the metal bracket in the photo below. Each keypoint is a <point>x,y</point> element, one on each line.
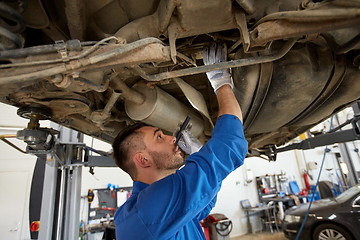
<point>172,31</point>
<point>245,37</point>
<point>61,48</point>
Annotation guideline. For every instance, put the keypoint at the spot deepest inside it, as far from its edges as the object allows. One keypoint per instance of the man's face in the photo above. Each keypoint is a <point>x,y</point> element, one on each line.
<point>162,148</point>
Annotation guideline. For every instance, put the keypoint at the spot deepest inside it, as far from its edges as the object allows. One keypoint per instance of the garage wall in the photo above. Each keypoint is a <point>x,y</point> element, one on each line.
<point>102,176</point>
<point>235,189</point>
<point>15,179</point>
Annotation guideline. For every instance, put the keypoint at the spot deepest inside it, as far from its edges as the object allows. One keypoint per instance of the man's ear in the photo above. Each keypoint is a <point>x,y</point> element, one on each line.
<point>142,159</point>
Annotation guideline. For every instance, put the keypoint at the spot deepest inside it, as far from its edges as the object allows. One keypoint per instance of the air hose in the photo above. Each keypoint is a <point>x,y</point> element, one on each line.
<point>317,183</point>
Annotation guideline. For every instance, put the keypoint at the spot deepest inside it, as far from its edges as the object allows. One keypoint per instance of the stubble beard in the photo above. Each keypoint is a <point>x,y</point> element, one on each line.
<point>167,161</point>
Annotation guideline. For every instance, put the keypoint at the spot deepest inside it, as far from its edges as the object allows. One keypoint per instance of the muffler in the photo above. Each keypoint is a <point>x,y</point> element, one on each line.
<point>162,110</point>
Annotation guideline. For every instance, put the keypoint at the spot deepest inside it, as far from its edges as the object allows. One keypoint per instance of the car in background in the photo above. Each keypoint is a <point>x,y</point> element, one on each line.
<point>331,218</point>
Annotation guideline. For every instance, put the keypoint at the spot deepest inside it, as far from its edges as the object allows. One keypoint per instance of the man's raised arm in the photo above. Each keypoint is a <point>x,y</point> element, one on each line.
<point>221,81</point>
<point>227,102</point>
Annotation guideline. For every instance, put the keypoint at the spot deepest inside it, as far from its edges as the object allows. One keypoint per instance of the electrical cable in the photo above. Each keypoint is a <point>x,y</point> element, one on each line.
<point>317,183</point>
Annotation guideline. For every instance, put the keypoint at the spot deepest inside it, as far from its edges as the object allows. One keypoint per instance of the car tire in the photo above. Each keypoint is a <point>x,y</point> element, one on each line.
<point>330,231</point>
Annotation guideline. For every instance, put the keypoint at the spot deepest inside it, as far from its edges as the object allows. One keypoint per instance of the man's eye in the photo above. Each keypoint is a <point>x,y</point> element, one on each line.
<point>159,136</point>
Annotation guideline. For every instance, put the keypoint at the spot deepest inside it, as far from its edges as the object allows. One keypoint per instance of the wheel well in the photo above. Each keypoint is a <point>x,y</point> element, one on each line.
<point>330,222</point>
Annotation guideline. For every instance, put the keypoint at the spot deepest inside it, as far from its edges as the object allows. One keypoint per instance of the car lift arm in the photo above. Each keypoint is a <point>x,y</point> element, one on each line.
<point>332,137</point>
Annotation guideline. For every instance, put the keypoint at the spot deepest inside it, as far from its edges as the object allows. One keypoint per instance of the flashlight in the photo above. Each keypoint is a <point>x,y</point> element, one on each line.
<point>182,128</point>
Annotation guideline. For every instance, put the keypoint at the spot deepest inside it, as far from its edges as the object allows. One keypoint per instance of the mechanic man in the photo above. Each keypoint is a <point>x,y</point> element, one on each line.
<point>168,203</point>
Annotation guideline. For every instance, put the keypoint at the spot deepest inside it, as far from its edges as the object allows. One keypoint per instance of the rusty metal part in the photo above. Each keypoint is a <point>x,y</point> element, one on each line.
<point>348,3</point>
<point>111,102</point>
<point>77,64</point>
<point>18,78</point>
<point>149,26</point>
<point>33,123</point>
<point>64,107</point>
<point>224,65</point>
<point>76,18</point>
<point>62,48</point>
<point>79,84</point>
<point>318,15</point>
<point>100,116</point>
<point>61,81</point>
<point>247,5</point>
<point>72,45</point>
<point>282,29</point>
<point>241,21</point>
<point>61,104</point>
<point>354,42</point>
<point>193,19</point>
<point>234,46</point>
<point>156,108</point>
<point>122,50</point>
<point>154,52</point>
<point>186,59</point>
<point>127,93</point>
<point>165,11</point>
<point>172,32</point>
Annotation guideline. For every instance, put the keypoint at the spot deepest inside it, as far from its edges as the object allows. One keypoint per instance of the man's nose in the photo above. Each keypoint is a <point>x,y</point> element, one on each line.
<point>172,139</point>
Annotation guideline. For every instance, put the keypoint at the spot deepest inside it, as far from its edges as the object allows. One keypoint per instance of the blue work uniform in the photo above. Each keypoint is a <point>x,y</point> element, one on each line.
<point>172,207</point>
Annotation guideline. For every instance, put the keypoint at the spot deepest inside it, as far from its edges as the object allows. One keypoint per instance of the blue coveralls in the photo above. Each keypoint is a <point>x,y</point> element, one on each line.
<point>172,207</point>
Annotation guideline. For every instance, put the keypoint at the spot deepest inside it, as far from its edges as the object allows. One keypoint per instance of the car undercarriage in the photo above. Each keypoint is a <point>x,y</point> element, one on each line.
<point>98,66</point>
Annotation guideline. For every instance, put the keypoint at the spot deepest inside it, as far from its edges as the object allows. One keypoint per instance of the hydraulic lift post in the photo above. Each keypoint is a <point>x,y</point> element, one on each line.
<point>62,150</point>
<point>48,198</point>
<point>60,218</point>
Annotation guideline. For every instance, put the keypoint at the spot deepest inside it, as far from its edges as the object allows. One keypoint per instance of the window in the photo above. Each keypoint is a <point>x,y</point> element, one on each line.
<point>356,202</point>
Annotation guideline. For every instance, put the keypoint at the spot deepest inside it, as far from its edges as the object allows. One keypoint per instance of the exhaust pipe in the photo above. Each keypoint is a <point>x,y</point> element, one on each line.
<point>162,110</point>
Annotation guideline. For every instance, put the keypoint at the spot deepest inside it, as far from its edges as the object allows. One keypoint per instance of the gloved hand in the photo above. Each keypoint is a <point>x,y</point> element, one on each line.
<point>216,54</point>
<point>188,142</point>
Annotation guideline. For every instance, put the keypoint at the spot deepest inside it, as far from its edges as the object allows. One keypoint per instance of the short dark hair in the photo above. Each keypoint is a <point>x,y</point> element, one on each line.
<point>128,139</point>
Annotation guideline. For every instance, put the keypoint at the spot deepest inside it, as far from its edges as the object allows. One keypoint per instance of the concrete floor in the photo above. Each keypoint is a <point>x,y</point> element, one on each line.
<point>262,236</point>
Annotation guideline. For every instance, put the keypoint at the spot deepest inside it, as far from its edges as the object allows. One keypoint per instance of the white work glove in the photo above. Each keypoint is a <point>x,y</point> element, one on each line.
<point>188,142</point>
<point>217,54</point>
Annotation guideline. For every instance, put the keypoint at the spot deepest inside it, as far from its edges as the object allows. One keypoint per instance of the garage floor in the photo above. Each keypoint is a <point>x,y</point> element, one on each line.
<point>262,236</point>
